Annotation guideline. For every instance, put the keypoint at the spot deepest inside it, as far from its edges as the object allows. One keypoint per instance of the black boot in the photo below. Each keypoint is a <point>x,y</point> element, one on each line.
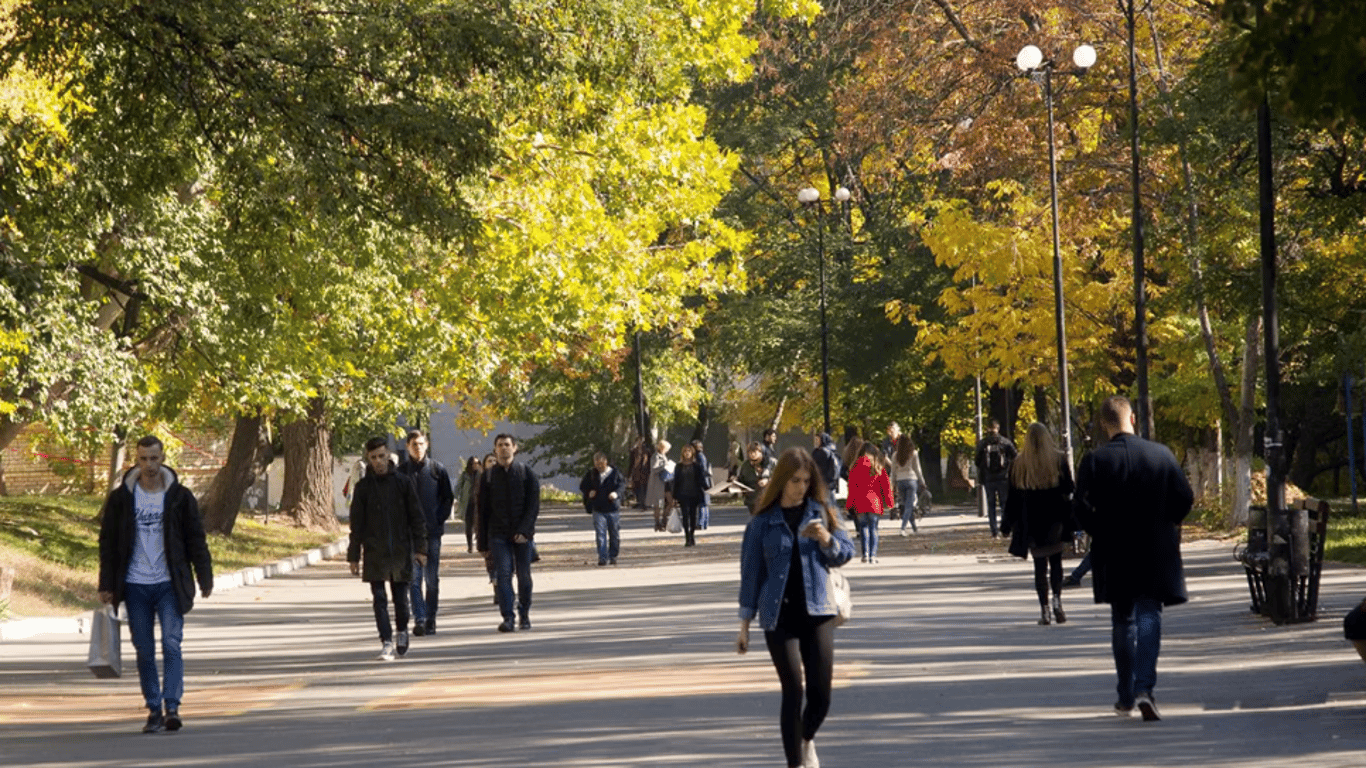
<point>1044,617</point>
<point>1058,615</point>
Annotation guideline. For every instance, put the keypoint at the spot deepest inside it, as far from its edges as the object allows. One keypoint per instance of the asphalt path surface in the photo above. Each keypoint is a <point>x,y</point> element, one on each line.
<point>943,664</point>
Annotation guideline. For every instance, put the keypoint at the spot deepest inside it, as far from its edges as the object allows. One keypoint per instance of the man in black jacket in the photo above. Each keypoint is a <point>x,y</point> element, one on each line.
<point>602,487</point>
<point>1131,497</point>
<point>509,502</point>
<point>151,534</point>
<point>388,530</point>
<point>995,454</point>
<point>433,485</point>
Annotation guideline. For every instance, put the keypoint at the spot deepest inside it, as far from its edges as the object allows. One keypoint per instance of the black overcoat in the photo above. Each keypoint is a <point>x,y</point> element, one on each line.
<point>387,527</point>
<point>1131,497</point>
<point>1039,517</point>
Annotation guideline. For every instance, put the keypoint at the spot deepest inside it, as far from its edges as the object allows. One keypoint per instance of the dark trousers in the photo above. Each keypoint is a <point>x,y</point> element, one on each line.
<point>689,511</point>
<point>996,491</point>
<point>400,592</point>
<point>803,649</point>
<point>1048,573</point>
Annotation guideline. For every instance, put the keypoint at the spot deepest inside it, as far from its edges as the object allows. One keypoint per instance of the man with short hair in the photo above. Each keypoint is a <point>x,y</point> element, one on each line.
<point>770,444</point>
<point>994,455</point>
<point>827,459</point>
<point>509,502</point>
<point>602,487</point>
<point>151,535</point>
<point>1131,496</point>
<point>388,528</point>
<point>434,490</point>
<point>704,511</point>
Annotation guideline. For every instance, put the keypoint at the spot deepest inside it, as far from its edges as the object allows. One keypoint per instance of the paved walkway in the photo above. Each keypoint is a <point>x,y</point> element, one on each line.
<point>942,665</point>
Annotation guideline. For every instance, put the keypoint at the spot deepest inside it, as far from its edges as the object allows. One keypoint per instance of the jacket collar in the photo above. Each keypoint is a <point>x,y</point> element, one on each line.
<point>168,478</point>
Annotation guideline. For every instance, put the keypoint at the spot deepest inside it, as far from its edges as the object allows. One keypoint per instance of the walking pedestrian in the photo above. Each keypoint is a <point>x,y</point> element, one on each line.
<point>389,532</point>
<point>602,487</point>
<point>434,490</point>
<point>827,459</point>
<point>689,490</point>
<point>151,535</point>
<point>639,470</point>
<point>908,475</point>
<point>704,511</point>
<point>509,503</point>
<point>661,475</point>
<point>994,454</point>
<point>1038,515</point>
<point>1131,497</point>
<point>464,497</point>
<point>754,473</point>
<point>790,544</point>
<point>870,493</point>
<point>770,445</point>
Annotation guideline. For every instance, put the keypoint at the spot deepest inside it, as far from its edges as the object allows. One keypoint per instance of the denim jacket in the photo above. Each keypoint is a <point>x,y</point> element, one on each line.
<point>766,558</point>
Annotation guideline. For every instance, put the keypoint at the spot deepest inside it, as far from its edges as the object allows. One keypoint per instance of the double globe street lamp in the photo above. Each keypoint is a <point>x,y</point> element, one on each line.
<point>1031,61</point>
<point>812,196</point>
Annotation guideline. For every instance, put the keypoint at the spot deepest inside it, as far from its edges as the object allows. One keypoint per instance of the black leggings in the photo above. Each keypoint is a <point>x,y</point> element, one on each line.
<point>1048,573</point>
<point>808,644</point>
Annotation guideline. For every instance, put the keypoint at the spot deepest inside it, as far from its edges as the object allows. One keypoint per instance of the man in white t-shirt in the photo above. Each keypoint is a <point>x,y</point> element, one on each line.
<point>151,534</point>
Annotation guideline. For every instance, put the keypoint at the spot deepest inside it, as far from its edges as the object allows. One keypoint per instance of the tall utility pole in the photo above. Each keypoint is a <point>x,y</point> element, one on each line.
<point>1145,410</point>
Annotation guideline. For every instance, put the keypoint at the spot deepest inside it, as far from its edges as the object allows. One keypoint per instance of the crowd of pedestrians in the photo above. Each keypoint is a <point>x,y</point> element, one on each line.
<point>1130,496</point>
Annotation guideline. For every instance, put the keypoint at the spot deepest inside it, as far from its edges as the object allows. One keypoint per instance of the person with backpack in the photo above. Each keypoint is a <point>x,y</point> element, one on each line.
<point>827,459</point>
<point>994,456</point>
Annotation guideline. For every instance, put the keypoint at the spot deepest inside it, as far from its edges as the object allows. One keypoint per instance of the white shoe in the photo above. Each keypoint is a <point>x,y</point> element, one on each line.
<point>387,652</point>
<point>903,533</point>
<point>809,759</point>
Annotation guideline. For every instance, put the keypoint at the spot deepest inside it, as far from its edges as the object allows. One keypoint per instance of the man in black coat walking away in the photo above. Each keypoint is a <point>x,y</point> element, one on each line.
<point>509,502</point>
<point>150,536</point>
<point>1131,497</point>
<point>994,456</point>
<point>434,489</point>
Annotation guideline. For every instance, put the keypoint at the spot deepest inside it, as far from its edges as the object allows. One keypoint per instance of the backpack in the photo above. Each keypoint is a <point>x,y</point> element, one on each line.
<point>996,460</point>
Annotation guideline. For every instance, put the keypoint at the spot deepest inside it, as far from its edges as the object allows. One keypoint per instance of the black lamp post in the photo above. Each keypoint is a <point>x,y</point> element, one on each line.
<point>1031,60</point>
<point>812,196</point>
<point>1145,406</point>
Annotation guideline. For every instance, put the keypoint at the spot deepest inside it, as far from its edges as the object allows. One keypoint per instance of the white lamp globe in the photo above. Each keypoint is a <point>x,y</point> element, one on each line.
<point>808,195</point>
<point>842,194</point>
<point>1030,58</point>
<point>1084,57</point>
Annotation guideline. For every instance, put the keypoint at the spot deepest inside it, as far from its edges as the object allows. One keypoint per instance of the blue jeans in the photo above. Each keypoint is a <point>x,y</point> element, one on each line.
<point>145,604</point>
<point>424,609</point>
<point>908,490</point>
<point>996,491</point>
<point>607,528</point>
<point>507,556</point>
<point>1136,637</point>
<point>868,533</point>
<point>704,516</point>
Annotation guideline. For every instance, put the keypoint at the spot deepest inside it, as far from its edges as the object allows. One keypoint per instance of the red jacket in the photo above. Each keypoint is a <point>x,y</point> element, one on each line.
<point>868,494</point>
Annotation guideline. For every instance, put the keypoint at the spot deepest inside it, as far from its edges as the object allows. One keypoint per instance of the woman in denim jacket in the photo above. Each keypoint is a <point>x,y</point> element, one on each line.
<point>790,544</point>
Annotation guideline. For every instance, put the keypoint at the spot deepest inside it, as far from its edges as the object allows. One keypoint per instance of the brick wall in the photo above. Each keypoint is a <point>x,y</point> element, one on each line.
<point>35,463</point>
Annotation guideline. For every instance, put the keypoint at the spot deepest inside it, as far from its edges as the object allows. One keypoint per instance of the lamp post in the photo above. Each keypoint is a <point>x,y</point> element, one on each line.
<point>1145,406</point>
<point>1031,60</point>
<point>812,196</point>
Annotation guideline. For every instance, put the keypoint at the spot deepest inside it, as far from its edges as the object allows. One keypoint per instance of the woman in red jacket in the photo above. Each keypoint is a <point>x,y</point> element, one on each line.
<point>870,492</point>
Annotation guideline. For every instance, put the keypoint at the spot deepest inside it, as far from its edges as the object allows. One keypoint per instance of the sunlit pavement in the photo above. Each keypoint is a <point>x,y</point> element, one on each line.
<point>942,665</point>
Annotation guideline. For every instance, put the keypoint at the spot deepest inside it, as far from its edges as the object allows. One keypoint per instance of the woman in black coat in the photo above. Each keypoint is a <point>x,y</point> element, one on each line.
<point>1038,515</point>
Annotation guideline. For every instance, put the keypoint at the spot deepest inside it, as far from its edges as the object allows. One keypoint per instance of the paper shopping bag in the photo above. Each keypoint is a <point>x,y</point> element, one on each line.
<point>104,659</point>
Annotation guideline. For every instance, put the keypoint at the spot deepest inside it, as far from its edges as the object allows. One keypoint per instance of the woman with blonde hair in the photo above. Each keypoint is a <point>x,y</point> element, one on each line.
<point>791,542</point>
<point>1038,515</point>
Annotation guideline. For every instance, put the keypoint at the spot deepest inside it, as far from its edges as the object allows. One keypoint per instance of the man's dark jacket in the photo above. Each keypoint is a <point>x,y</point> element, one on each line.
<point>827,460</point>
<point>434,490</point>
<point>603,501</point>
<point>1131,497</point>
<point>182,527</point>
<point>984,472</point>
<point>509,502</point>
<point>387,526</point>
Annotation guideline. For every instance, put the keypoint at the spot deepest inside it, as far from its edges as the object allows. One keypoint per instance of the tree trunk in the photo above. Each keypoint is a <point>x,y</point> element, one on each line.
<point>118,456</point>
<point>1247,421</point>
<point>778,414</point>
<point>248,455</point>
<point>307,493</point>
<point>10,430</point>
<point>703,422</point>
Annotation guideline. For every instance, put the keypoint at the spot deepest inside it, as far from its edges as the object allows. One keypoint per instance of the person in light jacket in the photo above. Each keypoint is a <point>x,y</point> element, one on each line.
<point>908,475</point>
<point>661,479</point>
<point>791,542</point>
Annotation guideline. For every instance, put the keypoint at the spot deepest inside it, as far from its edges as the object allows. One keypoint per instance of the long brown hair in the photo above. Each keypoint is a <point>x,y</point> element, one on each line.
<point>1037,466</point>
<point>789,463</point>
<point>873,452</point>
<point>904,448</point>
<point>851,450</point>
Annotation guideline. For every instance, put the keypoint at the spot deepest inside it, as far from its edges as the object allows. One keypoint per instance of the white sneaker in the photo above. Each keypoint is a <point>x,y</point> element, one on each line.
<point>387,652</point>
<point>903,533</point>
<point>809,759</point>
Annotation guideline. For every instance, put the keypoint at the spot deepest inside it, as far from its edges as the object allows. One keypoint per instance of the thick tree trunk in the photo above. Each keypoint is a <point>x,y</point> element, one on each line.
<point>248,455</point>
<point>9,430</point>
<point>1247,421</point>
<point>703,422</point>
<point>307,494</point>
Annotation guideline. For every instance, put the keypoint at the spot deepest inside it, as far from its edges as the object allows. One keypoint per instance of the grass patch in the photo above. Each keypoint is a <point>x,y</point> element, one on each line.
<point>1346,540</point>
<point>52,542</point>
